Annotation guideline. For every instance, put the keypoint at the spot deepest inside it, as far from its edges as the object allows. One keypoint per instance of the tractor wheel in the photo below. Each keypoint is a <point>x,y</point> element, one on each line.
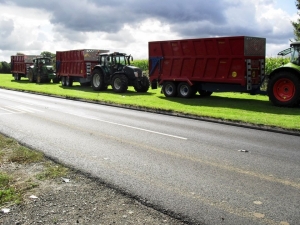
<point>69,81</point>
<point>204,93</point>
<point>119,83</point>
<point>38,79</point>
<point>31,76</point>
<point>98,80</point>
<point>185,90</point>
<point>63,81</point>
<point>169,89</point>
<point>142,85</point>
<point>284,89</point>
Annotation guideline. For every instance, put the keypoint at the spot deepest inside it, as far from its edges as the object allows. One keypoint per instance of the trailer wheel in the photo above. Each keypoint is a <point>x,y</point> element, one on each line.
<point>205,93</point>
<point>63,81</point>
<point>284,89</point>
<point>97,80</point>
<point>119,83</point>
<point>69,81</point>
<point>142,85</point>
<point>169,89</point>
<point>30,76</point>
<point>17,76</point>
<point>185,90</point>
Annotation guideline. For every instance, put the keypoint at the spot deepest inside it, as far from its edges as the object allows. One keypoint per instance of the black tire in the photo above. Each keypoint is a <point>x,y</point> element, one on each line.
<point>31,76</point>
<point>63,81</point>
<point>97,80</point>
<point>284,89</point>
<point>169,89</point>
<point>142,85</point>
<point>204,93</point>
<point>17,76</point>
<point>119,83</point>
<point>185,90</point>
<point>69,81</point>
<point>38,79</point>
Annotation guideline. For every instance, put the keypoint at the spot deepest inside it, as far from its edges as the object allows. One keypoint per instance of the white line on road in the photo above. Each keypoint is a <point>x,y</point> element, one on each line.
<point>128,126</point>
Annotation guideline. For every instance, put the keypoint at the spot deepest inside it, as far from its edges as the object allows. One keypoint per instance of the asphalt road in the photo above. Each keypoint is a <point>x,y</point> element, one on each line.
<point>207,172</point>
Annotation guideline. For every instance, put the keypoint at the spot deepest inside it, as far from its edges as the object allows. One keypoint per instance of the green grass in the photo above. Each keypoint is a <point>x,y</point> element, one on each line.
<point>52,171</point>
<point>253,109</point>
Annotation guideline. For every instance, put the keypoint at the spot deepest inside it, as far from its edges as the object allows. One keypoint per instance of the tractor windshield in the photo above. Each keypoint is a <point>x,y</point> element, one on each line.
<point>121,59</point>
<point>295,56</point>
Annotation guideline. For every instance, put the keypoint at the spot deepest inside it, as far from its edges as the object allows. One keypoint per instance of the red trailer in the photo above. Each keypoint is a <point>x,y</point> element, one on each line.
<point>76,65</point>
<point>20,65</point>
<point>206,65</point>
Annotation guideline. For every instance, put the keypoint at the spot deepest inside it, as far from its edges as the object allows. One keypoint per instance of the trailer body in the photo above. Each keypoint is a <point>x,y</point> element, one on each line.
<point>207,65</point>
<point>20,65</point>
<point>76,65</point>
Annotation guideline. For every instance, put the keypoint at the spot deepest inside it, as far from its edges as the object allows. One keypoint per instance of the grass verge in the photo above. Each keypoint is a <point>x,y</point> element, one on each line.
<point>236,107</point>
<point>13,158</point>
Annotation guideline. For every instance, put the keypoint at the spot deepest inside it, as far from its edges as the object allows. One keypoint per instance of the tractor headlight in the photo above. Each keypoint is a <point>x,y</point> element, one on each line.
<point>136,74</point>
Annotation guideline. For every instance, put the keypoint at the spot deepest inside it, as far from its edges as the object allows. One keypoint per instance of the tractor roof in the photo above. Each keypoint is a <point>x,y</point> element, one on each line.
<point>113,54</point>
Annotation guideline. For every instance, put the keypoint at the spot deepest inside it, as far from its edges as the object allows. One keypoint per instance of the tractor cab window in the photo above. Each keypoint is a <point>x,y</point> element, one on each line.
<point>120,60</point>
<point>295,55</point>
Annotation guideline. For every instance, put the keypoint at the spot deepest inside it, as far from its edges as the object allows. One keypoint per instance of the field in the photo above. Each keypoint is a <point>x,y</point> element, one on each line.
<point>245,108</point>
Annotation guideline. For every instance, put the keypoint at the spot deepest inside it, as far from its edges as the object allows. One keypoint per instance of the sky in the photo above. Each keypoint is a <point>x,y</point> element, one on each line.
<point>33,26</point>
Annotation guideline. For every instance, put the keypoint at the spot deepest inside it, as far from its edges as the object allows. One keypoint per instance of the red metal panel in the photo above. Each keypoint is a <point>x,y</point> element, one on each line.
<point>220,60</point>
<point>73,62</point>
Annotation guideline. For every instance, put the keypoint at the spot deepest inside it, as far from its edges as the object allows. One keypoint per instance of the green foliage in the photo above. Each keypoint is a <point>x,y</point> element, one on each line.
<point>48,54</point>
<point>4,67</point>
<point>53,171</point>
<point>7,193</point>
<point>273,63</point>
<point>296,24</point>
<point>25,155</point>
<point>141,63</point>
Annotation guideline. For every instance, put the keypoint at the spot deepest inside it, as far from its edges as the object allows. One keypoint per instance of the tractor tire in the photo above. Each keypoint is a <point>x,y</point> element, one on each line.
<point>97,80</point>
<point>204,93</point>
<point>38,79</point>
<point>284,89</point>
<point>185,90</point>
<point>63,81</point>
<point>119,83</point>
<point>142,85</point>
<point>31,76</point>
<point>69,81</point>
<point>169,89</point>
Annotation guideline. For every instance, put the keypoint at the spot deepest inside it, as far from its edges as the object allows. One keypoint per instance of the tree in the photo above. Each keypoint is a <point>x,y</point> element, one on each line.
<point>296,24</point>
<point>5,67</point>
<point>50,54</point>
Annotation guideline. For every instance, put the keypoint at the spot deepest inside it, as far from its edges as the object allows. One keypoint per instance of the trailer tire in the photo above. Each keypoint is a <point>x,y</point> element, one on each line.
<point>63,81</point>
<point>17,76</point>
<point>169,89</point>
<point>97,80</point>
<point>30,76</point>
<point>69,81</point>
<point>204,93</point>
<point>119,83</point>
<point>185,90</point>
<point>284,89</point>
<point>142,85</point>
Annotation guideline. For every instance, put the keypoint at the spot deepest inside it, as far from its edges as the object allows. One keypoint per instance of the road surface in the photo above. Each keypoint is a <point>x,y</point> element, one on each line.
<point>207,172</point>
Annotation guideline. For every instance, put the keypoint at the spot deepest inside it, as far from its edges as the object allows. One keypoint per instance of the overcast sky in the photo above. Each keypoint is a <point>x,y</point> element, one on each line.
<point>33,26</point>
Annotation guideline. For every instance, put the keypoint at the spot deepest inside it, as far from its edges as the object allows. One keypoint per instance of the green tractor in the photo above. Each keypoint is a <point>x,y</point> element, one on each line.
<point>114,69</point>
<point>284,82</point>
<point>42,71</point>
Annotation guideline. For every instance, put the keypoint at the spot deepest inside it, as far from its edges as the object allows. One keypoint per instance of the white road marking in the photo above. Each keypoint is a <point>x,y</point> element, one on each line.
<point>10,109</point>
<point>128,126</point>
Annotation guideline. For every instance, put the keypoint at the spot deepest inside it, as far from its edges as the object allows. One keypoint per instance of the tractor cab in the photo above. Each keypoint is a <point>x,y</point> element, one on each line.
<point>294,51</point>
<point>113,62</point>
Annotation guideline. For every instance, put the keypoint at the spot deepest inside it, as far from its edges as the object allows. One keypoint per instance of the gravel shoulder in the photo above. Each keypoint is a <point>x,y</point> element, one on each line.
<point>73,199</point>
